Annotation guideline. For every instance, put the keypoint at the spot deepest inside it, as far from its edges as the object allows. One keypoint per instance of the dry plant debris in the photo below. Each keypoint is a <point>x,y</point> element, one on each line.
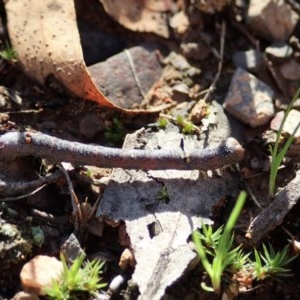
<point>182,60</point>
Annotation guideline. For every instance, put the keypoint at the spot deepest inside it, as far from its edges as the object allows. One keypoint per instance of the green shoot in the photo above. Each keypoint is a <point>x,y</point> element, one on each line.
<point>223,256</point>
<point>210,238</point>
<point>163,195</point>
<point>115,133</point>
<point>162,123</point>
<point>77,279</point>
<point>187,127</point>
<point>270,263</point>
<point>276,154</point>
<point>8,53</point>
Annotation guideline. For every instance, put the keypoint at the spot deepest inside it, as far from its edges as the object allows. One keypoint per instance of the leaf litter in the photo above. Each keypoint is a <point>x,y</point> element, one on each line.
<point>157,218</point>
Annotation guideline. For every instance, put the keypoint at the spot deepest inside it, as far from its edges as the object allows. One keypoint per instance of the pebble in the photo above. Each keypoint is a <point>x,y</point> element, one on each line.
<point>127,260</point>
<point>180,22</point>
<point>279,50</point>
<point>39,272</point>
<point>271,20</point>
<point>90,125</point>
<point>250,60</point>
<point>71,247</point>
<point>177,61</point>
<point>292,121</point>
<point>25,296</point>
<point>116,283</point>
<point>181,88</point>
<point>290,70</point>
<point>249,99</point>
<point>198,51</point>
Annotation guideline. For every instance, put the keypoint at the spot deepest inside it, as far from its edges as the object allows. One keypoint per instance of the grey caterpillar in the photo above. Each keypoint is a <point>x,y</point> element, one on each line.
<point>16,144</point>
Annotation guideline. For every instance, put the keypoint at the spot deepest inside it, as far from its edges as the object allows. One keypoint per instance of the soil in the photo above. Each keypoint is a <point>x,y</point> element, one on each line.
<point>26,105</point>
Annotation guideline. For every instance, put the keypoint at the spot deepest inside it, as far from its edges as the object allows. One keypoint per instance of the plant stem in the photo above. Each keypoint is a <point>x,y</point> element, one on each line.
<point>225,243</point>
<point>277,156</point>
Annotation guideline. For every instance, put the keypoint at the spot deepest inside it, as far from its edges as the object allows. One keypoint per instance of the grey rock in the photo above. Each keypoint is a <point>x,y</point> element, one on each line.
<point>271,20</point>
<point>249,99</point>
<point>290,70</point>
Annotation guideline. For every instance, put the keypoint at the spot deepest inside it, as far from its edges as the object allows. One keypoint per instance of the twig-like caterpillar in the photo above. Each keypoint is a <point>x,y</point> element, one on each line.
<point>16,144</point>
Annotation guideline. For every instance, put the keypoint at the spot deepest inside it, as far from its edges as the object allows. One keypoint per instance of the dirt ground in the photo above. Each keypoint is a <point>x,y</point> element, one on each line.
<point>26,105</point>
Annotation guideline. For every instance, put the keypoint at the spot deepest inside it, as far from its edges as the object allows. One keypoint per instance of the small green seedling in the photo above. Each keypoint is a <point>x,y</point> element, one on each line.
<point>270,264</point>
<point>276,154</point>
<point>115,133</point>
<point>162,123</point>
<point>8,54</point>
<point>187,127</point>
<point>77,279</point>
<point>220,251</point>
<point>163,195</point>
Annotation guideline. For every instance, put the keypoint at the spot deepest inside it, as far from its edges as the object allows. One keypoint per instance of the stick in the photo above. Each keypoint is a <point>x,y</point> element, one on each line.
<point>16,144</point>
<point>220,64</point>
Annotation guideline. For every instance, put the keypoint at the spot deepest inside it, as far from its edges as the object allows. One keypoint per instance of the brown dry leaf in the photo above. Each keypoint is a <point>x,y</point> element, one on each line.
<point>46,38</point>
<point>140,15</point>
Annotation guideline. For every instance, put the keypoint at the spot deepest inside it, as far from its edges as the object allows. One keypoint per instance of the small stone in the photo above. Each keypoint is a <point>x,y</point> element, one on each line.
<point>199,112</point>
<point>291,123</point>
<point>271,20</point>
<point>71,247</point>
<point>279,50</point>
<point>180,22</point>
<point>38,273</point>
<point>290,70</point>
<point>4,117</point>
<point>198,51</point>
<point>181,88</point>
<point>90,125</point>
<point>25,296</point>
<point>177,61</point>
<point>127,260</point>
<point>116,283</point>
<point>249,99</point>
<point>250,60</point>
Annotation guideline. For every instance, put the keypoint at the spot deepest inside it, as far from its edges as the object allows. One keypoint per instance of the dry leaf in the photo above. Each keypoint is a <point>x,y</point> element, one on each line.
<point>46,38</point>
<point>140,15</point>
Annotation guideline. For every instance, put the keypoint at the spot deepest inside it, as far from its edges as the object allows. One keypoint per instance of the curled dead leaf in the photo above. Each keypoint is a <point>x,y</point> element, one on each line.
<point>46,38</point>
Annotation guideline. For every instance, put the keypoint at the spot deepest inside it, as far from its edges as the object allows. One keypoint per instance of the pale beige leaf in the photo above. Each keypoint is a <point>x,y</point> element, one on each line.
<point>46,38</point>
<point>140,15</point>
<point>158,226</point>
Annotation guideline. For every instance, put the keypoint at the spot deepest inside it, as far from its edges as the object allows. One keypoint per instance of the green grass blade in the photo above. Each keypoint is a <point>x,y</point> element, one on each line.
<point>277,156</point>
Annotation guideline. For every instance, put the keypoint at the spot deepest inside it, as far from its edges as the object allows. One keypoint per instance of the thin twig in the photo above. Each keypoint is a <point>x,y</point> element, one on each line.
<point>220,64</point>
<point>16,144</point>
<point>134,73</point>
<point>74,200</point>
<point>12,189</point>
<point>94,208</point>
<point>6,199</point>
